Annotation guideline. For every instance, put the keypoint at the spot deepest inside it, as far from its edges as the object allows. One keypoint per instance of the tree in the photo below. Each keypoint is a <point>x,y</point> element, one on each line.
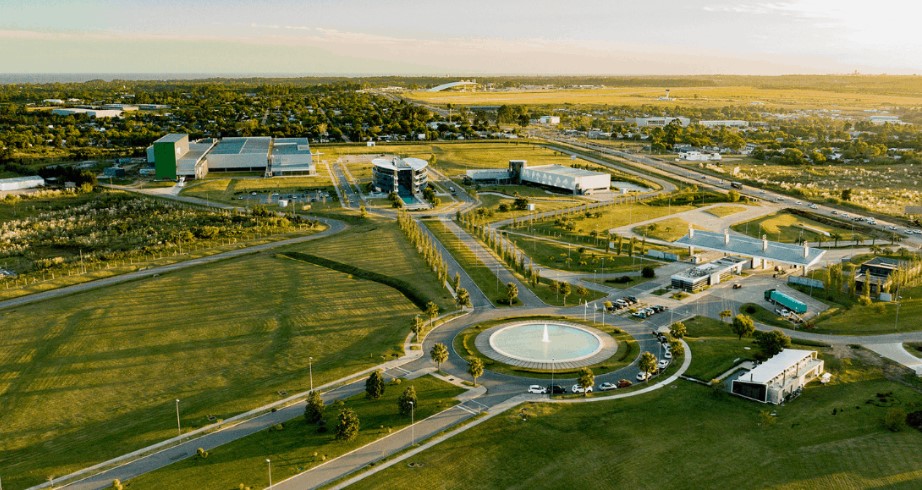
<point>348,426</point>
<point>565,290</point>
<point>520,203</point>
<point>439,354</point>
<point>407,400</point>
<point>678,330</point>
<point>432,311</point>
<point>647,363</point>
<point>743,326</point>
<point>677,347</point>
<point>733,195</point>
<point>463,298</point>
<point>313,412</point>
<point>726,314</point>
<point>417,326</point>
<point>772,342</point>
<point>456,283</point>
<point>846,194</point>
<point>475,368</point>
<point>648,272</point>
<point>585,379</point>
<point>581,291</point>
<point>374,385</point>
<point>512,293</point>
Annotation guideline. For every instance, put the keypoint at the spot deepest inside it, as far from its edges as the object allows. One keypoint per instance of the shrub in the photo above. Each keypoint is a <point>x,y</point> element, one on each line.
<point>648,272</point>
<point>895,419</point>
<point>751,309</point>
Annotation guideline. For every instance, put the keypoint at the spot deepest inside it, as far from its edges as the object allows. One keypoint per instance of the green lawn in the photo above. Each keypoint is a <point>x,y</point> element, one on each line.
<point>292,449</point>
<point>722,211</point>
<point>830,437</point>
<point>574,258</point>
<point>482,275</point>
<point>765,316</point>
<point>94,375</point>
<point>669,229</point>
<point>914,348</point>
<point>542,204</point>
<point>878,318</point>
<point>714,348</point>
<point>790,228</point>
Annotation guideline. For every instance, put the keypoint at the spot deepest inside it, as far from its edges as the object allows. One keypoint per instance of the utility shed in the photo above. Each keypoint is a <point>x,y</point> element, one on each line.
<point>779,378</point>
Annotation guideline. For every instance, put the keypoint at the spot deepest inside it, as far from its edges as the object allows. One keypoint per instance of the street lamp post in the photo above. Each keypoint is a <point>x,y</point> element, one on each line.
<point>178,427</point>
<point>412,423</point>
<point>269,462</point>
<point>310,368</point>
<point>550,393</point>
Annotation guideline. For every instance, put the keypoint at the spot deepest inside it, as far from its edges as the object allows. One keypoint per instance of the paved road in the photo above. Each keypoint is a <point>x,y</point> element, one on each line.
<point>478,298</point>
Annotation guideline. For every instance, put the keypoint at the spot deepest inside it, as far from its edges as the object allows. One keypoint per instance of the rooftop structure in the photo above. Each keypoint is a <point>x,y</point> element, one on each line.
<point>780,377</point>
<point>192,163</point>
<point>446,86</point>
<point>574,180</point>
<point>405,176</point>
<point>291,156</point>
<point>240,153</point>
<point>761,251</point>
<point>99,113</point>
<point>699,277</point>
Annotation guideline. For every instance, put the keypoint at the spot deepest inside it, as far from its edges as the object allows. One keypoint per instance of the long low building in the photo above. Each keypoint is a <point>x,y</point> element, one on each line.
<point>554,176</point>
<point>19,183</point>
<point>173,155</point>
<point>763,253</point>
<point>699,277</point>
<point>98,113</point>
<point>780,377</point>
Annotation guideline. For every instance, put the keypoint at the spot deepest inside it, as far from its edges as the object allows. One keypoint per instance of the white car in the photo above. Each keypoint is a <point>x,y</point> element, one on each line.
<point>668,354</point>
<point>814,206</point>
<point>606,386</point>
<point>662,364</point>
<point>642,376</point>
<point>579,389</point>
<point>891,228</point>
<point>799,203</point>
<point>538,390</point>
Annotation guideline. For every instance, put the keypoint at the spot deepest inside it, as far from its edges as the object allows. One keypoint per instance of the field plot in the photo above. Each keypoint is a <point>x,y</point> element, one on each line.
<point>831,436</point>
<point>791,228</point>
<point>298,446</point>
<point>882,188</point>
<point>94,375</point>
<point>669,229</point>
<point>703,96</point>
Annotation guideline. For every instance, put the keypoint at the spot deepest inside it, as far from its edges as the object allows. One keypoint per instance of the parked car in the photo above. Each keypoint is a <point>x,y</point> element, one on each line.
<point>662,363</point>
<point>579,389</point>
<point>737,285</point>
<point>668,354</point>
<point>814,206</point>
<point>556,389</point>
<point>642,376</point>
<point>607,386</point>
<point>624,383</point>
<point>538,390</point>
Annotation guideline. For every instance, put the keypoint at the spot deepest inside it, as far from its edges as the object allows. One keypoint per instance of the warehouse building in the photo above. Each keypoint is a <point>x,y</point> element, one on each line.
<point>240,154</point>
<point>710,274</point>
<point>20,183</point>
<point>554,176</point>
<point>291,156</point>
<point>656,122</point>
<point>97,113</point>
<point>405,176</point>
<point>780,378</point>
<point>174,156</point>
<point>763,253</point>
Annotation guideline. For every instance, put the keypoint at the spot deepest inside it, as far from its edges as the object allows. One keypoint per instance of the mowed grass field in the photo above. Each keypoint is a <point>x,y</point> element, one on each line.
<point>832,436</point>
<point>790,228</point>
<point>698,96</point>
<point>292,449</point>
<point>94,375</point>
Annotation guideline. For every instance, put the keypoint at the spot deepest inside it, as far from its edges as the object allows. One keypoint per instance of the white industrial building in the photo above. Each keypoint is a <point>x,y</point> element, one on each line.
<point>780,377</point>
<point>881,120</point>
<point>19,183</point>
<point>240,153</point>
<point>192,163</point>
<point>656,121</point>
<point>727,123</point>
<point>97,113</point>
<point>697,156</point>
<point>551,120</point>
<point>574,180</point>
<point>291,156</point>
<point>699,277</point>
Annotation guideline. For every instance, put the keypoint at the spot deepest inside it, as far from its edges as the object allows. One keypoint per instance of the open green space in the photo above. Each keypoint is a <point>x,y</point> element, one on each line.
<point>235,190</point>
<point>574,258</point>
<point>482,275</point>
<point>93,375</point>
<point>877,318</point>
<point>298,446</point>
<point>832,436</point>
<point>722,211</point>
<point>762,315</point>
<point>715,348</point>
<point>628,350</point>
<point>791,228</point>
<point>490,204</point>
<point>669,229</point>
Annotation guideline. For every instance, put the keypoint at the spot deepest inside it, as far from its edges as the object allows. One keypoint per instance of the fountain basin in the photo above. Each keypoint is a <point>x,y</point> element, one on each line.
<point>546,345</point>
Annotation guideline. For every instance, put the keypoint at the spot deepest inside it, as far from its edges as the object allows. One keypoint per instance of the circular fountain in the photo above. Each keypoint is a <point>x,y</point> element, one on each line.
<point>546,345</point>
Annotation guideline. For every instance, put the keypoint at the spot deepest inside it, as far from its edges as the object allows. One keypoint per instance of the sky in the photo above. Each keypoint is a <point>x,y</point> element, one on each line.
<point>466,37</point>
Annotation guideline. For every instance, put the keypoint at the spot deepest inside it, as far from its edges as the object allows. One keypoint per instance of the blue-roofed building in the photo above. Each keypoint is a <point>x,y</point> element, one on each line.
<point>762,253</point>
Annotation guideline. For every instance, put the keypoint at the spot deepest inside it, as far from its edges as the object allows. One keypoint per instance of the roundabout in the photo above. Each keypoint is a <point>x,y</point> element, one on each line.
<point>546,345</point>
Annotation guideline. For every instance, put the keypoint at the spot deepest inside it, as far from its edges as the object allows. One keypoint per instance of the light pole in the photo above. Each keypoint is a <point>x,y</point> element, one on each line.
<point>178,427</point>
<point>896,321</point>
<point>550,393</point>
<point>412,423</point>
<point>310,368</point>
<point>269,462</point>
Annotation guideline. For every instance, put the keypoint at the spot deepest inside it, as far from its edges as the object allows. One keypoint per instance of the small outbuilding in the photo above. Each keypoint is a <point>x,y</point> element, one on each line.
<point>780,378</point>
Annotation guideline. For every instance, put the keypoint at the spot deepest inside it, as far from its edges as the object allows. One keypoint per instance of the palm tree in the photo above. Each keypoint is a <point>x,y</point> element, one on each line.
<point>836,237</point>
<point>724,315</point>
